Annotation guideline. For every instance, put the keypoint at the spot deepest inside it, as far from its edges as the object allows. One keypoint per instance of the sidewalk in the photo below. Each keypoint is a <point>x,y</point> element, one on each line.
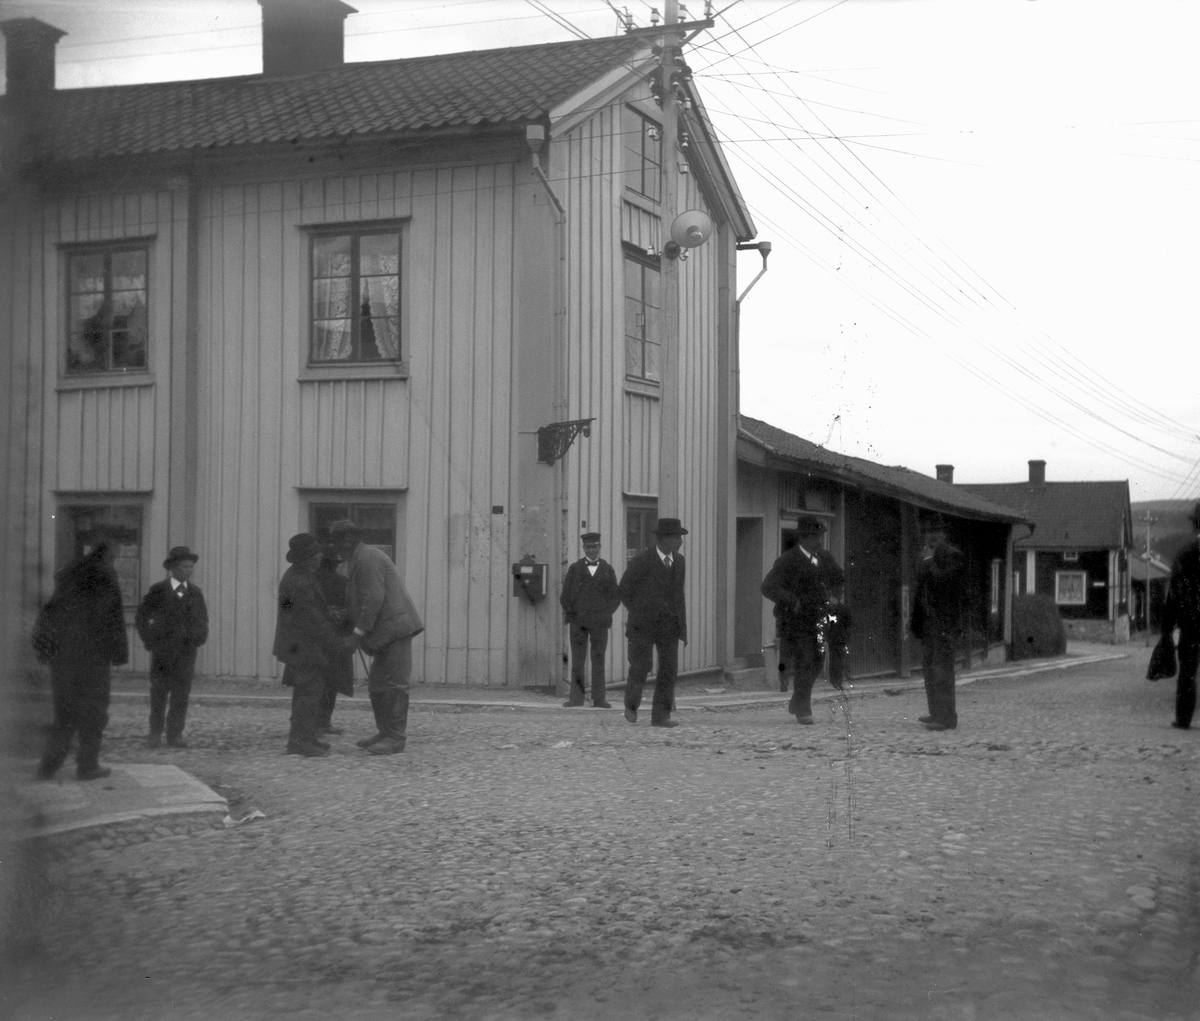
<point>140,802</point>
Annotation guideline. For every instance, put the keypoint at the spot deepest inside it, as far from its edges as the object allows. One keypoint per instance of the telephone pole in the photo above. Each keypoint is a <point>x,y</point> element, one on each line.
<point>668,448</point>
<point>1149,520</point>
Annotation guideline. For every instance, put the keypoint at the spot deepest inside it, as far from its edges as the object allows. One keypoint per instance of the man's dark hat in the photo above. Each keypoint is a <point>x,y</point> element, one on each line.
<point>590,537</point>
<point>343,527</point>
<point>302,547</point>
<point>669,526</point>
<point>179,553</point>
<point>808,525</point>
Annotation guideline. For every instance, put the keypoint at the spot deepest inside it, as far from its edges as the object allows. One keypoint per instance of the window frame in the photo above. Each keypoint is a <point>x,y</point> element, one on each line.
<point>134,375</point>
<point>652,321</point>
<point>636,160</point>
<point>312,369</point>
<point>647,508</point>
<point>312,499</point>
<point>1061,577</point>
<point>1070,556</point>
<point>70,505</point>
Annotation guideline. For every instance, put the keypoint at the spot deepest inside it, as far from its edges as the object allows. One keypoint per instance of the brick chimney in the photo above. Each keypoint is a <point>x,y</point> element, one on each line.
<point>29,50</point>
<point>945,473</point>
<point>299,36</point>
<point>1037,471</point>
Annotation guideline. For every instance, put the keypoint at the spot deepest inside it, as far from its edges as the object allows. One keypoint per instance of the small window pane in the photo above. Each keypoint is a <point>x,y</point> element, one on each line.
<point>129,270</point>
<point>331,299</point>
<point>379,254</point>
<point>633,357</point>
<point>87,273</point>
<point>331,340</point>
<point>331,256</point>
<point>652,370</point>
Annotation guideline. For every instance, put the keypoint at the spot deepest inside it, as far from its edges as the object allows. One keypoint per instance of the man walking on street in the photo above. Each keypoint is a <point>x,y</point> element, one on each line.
<point>801,584</point>
<point>172,622</point>
<point>1182,611</point>
<point>306,642</point>
<point>589,597</point>
<point>937,620</point>
<point>652,590</point>
<point>385,624</point>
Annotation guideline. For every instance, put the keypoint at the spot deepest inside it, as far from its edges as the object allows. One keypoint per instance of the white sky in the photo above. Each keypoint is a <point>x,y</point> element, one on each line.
<point>985,213</point>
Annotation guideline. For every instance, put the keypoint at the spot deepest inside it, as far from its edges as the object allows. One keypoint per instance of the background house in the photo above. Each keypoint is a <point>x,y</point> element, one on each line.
<point>1078,552</point>
<point>240,308</point>
<point>872,513</point>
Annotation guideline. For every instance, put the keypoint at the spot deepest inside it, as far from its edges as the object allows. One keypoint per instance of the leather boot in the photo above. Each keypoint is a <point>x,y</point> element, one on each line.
<point>393,722</point>
<point>376,700</point>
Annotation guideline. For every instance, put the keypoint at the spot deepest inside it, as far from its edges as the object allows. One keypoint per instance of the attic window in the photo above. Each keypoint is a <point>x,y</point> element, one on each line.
<point>1071,556</point>
<point>642,139</point>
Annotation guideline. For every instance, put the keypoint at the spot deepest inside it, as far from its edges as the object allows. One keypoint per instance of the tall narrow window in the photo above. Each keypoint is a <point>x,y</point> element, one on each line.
<point>106,310</point>
<point>642,304</point>
<point>640,519</point>
<point>643,154</point>
<point>355,297</point>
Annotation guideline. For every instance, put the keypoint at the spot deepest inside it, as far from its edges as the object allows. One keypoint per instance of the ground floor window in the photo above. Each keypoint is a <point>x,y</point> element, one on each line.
<point>641,515</point>
<point>81,523</point>
<point>376,514</point>
<point>1070,588</point>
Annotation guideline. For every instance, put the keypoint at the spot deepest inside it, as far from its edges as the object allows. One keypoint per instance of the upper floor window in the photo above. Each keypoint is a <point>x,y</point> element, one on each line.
<point>643,153</point>
<point>355,297</point>
<point>642,304</point>
<point>106,310</point>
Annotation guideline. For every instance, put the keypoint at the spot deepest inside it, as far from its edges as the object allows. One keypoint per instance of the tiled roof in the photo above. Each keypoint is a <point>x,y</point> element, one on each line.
<point>383,98</point>
<point>897,481</point>
<point>1066,515</point>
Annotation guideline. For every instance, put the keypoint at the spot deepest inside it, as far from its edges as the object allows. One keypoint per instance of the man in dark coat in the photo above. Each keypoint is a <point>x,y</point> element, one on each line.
<point>801,584</point>
<point>172,621</point>
<point>385,623</point>
<point>589,597</point>
<point>81,633</point>
<point>1182,610</point>
<point>306,642</point>
<point>937,620</point>
<point>340,678</point>
<point>652,590</point>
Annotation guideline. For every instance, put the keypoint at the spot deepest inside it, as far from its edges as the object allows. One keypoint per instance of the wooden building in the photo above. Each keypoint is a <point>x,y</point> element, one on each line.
<point>239,308</point>
<point>1078,549</point>
<point>872,516</point>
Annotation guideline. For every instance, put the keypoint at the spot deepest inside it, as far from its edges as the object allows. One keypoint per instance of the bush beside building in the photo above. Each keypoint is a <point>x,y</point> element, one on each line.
<point>1037,628</point>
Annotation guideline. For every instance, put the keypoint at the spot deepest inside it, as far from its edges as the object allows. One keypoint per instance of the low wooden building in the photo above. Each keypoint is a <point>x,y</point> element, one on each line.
<point>871,511</point>
<point>239,308</point>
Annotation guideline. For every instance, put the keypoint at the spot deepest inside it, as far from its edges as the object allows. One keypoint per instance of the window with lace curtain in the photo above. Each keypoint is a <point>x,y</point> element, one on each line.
<point>355,310</point>
<point>107,320</point>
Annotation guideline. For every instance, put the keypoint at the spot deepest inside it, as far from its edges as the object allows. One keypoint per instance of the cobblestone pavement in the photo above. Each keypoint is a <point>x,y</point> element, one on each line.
<point>1041,862</point>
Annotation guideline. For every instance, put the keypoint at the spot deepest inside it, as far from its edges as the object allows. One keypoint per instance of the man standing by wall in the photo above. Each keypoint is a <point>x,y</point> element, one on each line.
<point>589,597</point>
<point>1182,611</point>
<point>385,623</point>
<point>801,583</point>
<point>172,621</point>
<point>652,590</point>
<point>937,620</point>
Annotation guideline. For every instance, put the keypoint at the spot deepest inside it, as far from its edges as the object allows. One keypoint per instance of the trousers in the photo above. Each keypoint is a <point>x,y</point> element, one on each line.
<point>387,687</point>
<point>170,688</point>
<point>937,661</point>
<point>1185,682</point>
<point>308,694</point>
<point>800,656</point>
<point>581,638</point>
<point>81,695</point>
<point>641,659</point>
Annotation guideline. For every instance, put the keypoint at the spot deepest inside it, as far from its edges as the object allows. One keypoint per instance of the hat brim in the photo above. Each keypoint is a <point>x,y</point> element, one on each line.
<point>193,557</point>
<point>669,531</point>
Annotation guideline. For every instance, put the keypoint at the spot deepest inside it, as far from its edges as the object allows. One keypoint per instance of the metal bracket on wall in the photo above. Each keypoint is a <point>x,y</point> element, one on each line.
<point>555,440</point>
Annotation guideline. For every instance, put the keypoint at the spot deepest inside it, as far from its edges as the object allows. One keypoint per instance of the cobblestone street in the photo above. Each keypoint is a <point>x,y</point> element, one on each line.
<point>1041,862</point>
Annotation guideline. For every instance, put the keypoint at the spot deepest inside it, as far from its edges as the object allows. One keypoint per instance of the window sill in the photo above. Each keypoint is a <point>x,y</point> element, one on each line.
<point>643,202</point>
<point>105,381</point>
<point>643,387</point>
<point>317,373</point>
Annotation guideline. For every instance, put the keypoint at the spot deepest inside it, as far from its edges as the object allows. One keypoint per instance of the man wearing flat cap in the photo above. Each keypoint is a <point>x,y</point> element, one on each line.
<point>306,642</point>
<point>172,622</point>
<point>589,597</point>
<point>801,583</point>
<point>652,590</point>
<point>1182,610</point>
<point>385,623</point>
<point>937,620</point>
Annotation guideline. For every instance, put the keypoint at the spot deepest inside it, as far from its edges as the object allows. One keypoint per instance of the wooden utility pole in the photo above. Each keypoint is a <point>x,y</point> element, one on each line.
<point>1146,605</point>
<point>668,450</point>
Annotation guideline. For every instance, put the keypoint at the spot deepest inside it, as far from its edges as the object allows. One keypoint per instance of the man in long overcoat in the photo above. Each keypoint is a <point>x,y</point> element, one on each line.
<point>172,621</point>
<point>340,678</point>
<point>589,597</point>
<point>801,584</point>
<point>81,633</point>
<point>937,620</point>
<point>1182,610</point>
<point>306,642</point>
<point>385,623</point>
<point>652,590</point>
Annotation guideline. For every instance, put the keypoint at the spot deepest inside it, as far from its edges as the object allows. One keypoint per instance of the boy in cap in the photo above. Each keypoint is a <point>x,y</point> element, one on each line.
<point>589,597</point>
<point>652,590</point>
<point>172,622</point>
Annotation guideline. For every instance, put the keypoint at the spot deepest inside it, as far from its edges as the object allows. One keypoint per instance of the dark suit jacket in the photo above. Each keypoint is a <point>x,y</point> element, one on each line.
<point>653,596</point>
<point>304,633</point>
<point>800,589</point>
<point>589,600</point>
<point>939,605</point>
<point>171,626</point>
<point>1182,609</point>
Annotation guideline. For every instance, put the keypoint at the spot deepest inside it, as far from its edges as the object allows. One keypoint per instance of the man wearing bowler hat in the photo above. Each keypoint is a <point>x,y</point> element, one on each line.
<point>306,642</point>
<point>652,590</point>
<point>172,622</point>
<point>801,584</point>
<point>589,597</point>
<point>937,619</point>
<point>385,623</point>
<point>1182,610</point>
